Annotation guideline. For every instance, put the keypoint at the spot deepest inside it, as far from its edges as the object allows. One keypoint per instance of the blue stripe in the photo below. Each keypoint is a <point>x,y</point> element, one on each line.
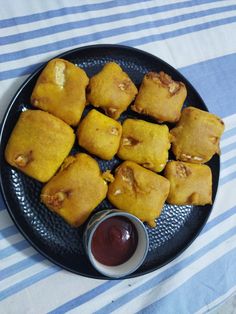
<point>78,40</point>
<point>28,282</point>
<point>217,220</point>
<point>228,163</point>
<point>8,231</point>
<point>153,282</point>
<point>85,297</point>
<point>205,77</point>
<point>209,226</point>
<point>14,248</point>
<point>179,32</point>
<point>8,74</point>
<point>229,133</point>
<point>89,38</point>
<point>66,11</point>
<point>112,18</point>
<point>228,148</point>
<point>228,178</point>
<point>207,290</point>
<point>17,267</point>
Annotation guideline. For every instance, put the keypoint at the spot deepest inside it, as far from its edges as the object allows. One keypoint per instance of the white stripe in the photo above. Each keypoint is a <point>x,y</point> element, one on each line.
<point>17,257</point>
<point>189,47</point>
<point>28,272</point>
<point>230,122</point>
<point>229,140</point>
<point>200,242</point>
<point>112,38</point>
<point>218,301</point>
<point>10,240</point>
<point>8,89</point>
<point>81,16</point>
<point>124,287</point>
<point>228,155</point>
<point>227,171</point>
<point>110,11</point>
<point>173,283</point>
<point>60,286</point>
<point>23,8</point>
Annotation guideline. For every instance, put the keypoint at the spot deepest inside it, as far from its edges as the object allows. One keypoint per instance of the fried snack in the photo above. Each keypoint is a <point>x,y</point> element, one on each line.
<point>160,97</point>
<point>197,135</point>
<point>138,191</point>
<point>38,144</point>
<point>112,90</point>
<point>145,143</point>
<point>99,135</point>
<point>60,90</point>
<point>75,190</point>
<point>190,184</point>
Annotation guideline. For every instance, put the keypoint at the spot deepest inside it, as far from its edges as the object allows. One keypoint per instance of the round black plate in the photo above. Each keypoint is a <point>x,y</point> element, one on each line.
<point>177,226</point>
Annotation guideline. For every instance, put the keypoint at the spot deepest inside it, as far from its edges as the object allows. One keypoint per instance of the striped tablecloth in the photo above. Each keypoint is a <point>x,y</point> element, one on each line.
<point>197,37</point>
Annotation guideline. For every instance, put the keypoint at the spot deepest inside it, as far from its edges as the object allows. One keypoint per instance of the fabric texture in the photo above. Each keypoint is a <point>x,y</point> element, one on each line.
<point>196,37</point>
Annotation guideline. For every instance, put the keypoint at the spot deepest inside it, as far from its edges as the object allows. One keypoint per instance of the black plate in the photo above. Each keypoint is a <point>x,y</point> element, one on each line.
<point>177,226</point>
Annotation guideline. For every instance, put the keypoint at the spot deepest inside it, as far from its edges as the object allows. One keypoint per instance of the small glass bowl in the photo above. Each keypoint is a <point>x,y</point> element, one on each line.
<point>135,260</point>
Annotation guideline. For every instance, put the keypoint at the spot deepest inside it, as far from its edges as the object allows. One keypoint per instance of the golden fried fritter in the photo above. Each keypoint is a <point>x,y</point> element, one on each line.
<point>160,97</point>
<point>60,90</point>
<point>112,90</point>
<point>76,189</point>
<point>197,135</point>
<point>145,143</point>
<point>190,184</point>
<point>38,144</point>
<point>99,135</point>
<point>138,191</point>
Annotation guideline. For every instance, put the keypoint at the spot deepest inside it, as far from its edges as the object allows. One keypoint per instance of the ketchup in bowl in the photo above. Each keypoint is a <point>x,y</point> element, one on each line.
<point>114,241</point>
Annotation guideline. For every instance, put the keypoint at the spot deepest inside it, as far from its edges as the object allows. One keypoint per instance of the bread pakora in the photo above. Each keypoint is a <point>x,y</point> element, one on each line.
<point>38,144</point>
<point>112,90</point>
<point>99,135</point>
<point>197,135</point>
<point>138,191</point>
<point>145,143</point>
<point>76,189</point>
<point>60,90</point>
<point>160,97</point>
<point>190,184</point>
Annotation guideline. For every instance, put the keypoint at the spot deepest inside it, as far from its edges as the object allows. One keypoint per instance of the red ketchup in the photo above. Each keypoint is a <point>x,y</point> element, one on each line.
<point>114,241</point>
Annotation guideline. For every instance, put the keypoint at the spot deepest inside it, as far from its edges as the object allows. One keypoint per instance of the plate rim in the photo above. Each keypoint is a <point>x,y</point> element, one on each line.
<point>4,120</point>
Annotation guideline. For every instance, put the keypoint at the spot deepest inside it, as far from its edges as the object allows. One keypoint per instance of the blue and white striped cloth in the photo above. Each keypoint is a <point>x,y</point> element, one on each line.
<point>197,37</point>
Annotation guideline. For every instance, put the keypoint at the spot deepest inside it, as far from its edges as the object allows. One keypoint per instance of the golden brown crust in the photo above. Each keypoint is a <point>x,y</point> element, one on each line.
<point>160,97</point>
<point>145,143</point>
<point>38,144</point>
<point>99,135</point>
<point>112,90</point>
<point>196,137</point>
<point>76,190</point>
<point>138,191</point>
<point>60,90</point>
<point>190,184</point>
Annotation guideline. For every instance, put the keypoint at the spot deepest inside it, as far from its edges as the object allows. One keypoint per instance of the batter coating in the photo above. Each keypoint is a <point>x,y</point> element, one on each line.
<point>145,143</point>
<point>99,135</point>
<point>38,144</point>
<point>112,90</point>
<point>60,90</point>
<point>160,97</point>
<point>138,191</point>
<point>197,135</point>
<point>76,189</point>
<point>190,184</point>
